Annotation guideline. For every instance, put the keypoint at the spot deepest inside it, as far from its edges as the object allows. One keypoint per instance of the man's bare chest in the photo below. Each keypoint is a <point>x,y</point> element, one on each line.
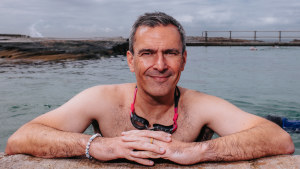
<point>118,122</point>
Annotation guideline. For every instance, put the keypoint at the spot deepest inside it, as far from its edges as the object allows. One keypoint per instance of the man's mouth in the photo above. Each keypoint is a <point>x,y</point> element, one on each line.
<point>160,78</point>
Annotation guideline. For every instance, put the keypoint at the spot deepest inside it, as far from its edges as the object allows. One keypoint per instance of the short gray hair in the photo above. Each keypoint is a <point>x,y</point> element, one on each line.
<point>152,20</point>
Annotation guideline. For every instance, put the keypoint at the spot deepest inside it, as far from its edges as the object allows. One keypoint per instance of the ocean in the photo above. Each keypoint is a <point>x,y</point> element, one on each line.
<point>264,81</point>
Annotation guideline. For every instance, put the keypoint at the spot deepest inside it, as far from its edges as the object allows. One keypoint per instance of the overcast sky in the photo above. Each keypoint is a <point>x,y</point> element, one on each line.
<point>105,18</point>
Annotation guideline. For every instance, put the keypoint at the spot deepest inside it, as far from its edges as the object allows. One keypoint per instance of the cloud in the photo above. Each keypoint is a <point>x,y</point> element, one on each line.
<point>185,18</point>
<point>106,29</point>
<point>214,15</point>
<point>90,30</point>
<point>268,20</point>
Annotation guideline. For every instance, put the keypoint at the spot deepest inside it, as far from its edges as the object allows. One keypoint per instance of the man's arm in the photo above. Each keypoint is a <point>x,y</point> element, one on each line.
<point>43,141</point>
<point>56,133</point>
<point>265,139</point>
<point>243,136</point>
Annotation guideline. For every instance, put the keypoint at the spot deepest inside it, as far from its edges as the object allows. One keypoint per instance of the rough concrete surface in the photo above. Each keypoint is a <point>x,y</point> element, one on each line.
<point>26,161</point>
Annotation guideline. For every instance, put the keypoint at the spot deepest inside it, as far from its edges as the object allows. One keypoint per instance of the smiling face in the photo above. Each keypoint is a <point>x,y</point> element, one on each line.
<point>158,59</point>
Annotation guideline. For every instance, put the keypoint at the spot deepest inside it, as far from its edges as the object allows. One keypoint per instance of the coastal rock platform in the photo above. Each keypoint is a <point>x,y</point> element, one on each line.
<point>26,161</point>
<point>46,49</point>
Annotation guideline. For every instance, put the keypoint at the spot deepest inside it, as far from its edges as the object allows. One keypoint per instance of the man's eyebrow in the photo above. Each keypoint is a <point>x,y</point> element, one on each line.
<point>146,50</point>
<point>153,51</point>
<point>172,51</point>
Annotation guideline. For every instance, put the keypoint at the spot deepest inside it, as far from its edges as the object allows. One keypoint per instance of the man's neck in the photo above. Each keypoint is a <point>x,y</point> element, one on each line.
<point>154,107</point>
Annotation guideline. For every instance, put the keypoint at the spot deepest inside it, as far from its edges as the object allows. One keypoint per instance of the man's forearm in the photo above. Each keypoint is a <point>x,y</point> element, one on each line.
<point>43,141</point>
<point>260,141</point>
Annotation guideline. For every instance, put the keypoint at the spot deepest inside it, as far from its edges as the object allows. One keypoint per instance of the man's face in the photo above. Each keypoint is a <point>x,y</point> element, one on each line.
<point>158,59</point>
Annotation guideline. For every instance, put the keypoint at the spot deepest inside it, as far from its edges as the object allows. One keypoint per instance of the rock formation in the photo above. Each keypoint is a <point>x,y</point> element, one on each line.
<point>48,50</point>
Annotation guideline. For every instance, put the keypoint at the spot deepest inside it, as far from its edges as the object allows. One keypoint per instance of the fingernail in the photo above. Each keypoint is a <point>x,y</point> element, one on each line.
<point>151,162</point>
<point>168,138</point>
<point>161,149</point>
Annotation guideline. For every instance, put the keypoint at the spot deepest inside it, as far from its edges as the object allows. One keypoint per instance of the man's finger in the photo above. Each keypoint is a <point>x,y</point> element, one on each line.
<point>132,138</point>
<point>141,160</point>
<point>144,154</point>
<point>145,146</point>
<point>158,135</point>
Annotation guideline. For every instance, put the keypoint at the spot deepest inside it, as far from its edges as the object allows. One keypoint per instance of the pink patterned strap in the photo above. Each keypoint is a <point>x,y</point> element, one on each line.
<point>132,105</point>
<point>175,119</point>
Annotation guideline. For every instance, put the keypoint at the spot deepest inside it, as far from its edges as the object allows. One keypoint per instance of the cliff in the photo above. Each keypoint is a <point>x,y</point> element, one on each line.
<point>25,161</point>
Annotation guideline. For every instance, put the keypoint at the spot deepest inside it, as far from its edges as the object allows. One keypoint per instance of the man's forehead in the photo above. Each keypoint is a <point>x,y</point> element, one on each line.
<point>141,30</point>
<point>167,35</point>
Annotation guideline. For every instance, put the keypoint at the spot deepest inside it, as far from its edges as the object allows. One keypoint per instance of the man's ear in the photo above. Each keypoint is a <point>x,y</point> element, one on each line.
<point>183,60</point>
<point>130,61</point>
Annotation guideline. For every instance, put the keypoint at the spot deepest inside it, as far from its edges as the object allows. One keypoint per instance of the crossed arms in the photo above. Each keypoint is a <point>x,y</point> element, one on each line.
<point>59,134</point>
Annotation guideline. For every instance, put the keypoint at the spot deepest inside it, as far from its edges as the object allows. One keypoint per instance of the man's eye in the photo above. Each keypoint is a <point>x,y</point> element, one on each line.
<point>171,53</point>
<point>146,53</point>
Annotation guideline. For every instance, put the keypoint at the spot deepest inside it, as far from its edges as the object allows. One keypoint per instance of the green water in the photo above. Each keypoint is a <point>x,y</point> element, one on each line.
<point>262,82</point>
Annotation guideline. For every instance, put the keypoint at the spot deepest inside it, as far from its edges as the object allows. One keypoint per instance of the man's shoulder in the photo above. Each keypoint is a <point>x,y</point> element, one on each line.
<point>191,95</point>
<point>111,87</point>
<point>197,100</point>
<point>108,92</point>
<point>101,98</point>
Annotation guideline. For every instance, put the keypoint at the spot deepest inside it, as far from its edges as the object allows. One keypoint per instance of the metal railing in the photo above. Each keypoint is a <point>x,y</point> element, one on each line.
<point>278,36</point>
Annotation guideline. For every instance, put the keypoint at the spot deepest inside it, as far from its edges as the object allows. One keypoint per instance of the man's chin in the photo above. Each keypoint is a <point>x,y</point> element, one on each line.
<point>159,89</point>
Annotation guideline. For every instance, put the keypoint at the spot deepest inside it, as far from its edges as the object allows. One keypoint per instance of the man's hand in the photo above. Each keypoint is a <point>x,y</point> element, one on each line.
<point>176,151</point>
<point>130,142</point>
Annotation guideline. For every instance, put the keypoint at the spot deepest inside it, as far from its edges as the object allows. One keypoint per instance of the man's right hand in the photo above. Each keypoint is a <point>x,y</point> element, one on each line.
<point>105,149</point>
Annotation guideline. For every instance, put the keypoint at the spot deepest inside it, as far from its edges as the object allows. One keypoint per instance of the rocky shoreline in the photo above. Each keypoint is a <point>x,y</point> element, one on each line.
<point>46,49</point>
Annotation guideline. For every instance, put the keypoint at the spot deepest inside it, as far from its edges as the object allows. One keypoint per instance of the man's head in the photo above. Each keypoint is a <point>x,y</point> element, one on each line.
<point>153,20</point>
<point>157,55</point>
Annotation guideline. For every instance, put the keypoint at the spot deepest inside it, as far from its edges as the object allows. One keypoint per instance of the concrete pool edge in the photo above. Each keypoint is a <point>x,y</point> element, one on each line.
<point>26,161</point>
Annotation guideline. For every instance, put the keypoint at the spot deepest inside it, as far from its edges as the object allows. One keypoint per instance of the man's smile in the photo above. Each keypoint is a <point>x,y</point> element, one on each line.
<point>160,78</point>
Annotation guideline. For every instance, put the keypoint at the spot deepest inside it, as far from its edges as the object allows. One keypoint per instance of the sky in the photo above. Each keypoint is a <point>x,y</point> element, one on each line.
<point>113,18</point>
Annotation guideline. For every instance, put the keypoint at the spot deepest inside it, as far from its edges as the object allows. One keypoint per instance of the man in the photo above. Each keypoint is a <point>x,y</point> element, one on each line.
<point>176,115</point>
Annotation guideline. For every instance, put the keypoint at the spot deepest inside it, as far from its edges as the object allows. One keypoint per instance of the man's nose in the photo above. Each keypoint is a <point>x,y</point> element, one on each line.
<point>160,62</point>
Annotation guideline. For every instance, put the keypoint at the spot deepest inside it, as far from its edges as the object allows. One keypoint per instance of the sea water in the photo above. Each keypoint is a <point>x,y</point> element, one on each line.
<point>262,81</point>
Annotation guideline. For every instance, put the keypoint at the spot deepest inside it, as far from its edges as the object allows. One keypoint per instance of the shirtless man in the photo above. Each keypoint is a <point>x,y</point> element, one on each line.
<point>124,112</point>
